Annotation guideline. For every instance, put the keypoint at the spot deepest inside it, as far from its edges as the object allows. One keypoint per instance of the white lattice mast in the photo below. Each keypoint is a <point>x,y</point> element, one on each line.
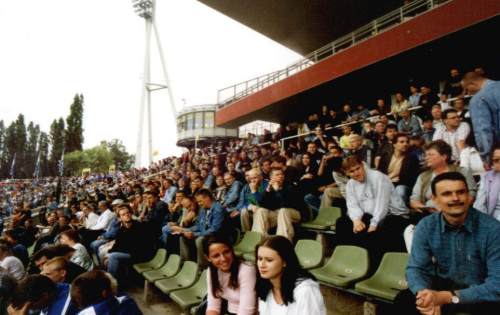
<point>146,10</point>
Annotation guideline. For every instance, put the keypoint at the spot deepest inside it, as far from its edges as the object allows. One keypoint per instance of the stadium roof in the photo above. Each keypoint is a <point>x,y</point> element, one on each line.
<point>303,26</point>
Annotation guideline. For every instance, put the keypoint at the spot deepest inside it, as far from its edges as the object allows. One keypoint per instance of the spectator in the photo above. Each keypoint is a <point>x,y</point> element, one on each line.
<point>484,110</point>
<point>437,117</point>
<point>232,196</point>
<point>283,286</point>
<point>80,257</point>
<point>94,293</point>
<point>18,249</point>
<point>56,269</point>
<point>157,214</point>
<point>228,279</point>
<point>470,158</point>
<point>467,283</point>
<point>414,98</point>
<point>488,196</point>
<point>428,129</point>
<point>453,87</point>
<point>357,148</point>
<point>437,157</point>
<point>211,220</point>
<point>454,132</point>
<point>171,231</point>
<point>376,216</point>
<point>170,190</point>
<point>220,189</point>
<point>408,124</point>
<point>401,166</point>
<point>400,103</point>
<point>41,257</point>
<point>277,209</point>
<point>251,197</point>
<point>11,263</point>
<point>129,246</point>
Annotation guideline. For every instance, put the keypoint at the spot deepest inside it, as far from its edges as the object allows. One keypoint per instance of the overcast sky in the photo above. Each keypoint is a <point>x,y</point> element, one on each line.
<point>52,49</point>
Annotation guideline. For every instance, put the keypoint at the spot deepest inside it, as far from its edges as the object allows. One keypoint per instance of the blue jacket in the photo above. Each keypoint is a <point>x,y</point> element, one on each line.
<point>484,108</point>
<point>247,197</point>
<point>122,305</point>
<point>232,196</point>
<point>112,230</point>
<point>209,221</point>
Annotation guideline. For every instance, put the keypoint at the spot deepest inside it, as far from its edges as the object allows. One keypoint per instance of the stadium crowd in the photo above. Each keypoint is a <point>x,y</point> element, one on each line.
<point>420,176</point>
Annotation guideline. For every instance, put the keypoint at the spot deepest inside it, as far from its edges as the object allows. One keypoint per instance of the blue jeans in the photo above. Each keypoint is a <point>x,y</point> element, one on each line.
<point>116,261</point>
<point>313,202</point>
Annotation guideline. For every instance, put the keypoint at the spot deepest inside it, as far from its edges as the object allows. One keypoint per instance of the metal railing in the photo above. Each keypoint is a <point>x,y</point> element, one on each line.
<point>232,93</point>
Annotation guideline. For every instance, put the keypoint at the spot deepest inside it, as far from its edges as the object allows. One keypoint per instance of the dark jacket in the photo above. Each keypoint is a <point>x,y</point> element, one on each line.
<point>410,168</point>
<point>131,240</point>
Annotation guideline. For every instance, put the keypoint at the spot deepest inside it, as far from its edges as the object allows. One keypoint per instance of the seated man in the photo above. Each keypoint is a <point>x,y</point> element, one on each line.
<point>130,245</point>
<point>250,197</point>
<point>56,269</point>
<point>488,196</point>
<point>211,219</point>
<point>232,197</point>
<point>95,293</point>
<point>376,215</point>
<point>44,255</point>
<point>401,166</point>
<point>278,207</point>
<point>455,257</point>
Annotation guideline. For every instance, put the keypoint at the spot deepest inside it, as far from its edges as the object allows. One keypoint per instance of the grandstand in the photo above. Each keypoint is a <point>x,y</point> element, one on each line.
<point>348,143</point>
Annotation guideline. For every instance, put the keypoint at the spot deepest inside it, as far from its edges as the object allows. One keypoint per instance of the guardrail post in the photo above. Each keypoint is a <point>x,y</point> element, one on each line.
<point>375,27</point>
<point>333,48</point>
<point>353,38</point>
<point>431,4</point>
<point>401,15</point>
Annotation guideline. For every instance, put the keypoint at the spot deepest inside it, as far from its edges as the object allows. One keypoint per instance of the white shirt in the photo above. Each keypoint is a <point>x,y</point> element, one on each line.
<point>470,158</point>
<point>91,220</point>
<point>13,266</point>
<point>452,137</point>
<point>104,220</point>
<point>307,300</point>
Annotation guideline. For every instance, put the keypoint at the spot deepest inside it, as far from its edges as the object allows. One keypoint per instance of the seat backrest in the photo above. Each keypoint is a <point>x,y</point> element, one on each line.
<point>349,261</point>
<point>159,258</point>
<point>392,271</point>
<point>309,252</point>
<point>329,215</point>
<point>172,265</point>
<point>187,275</point>
<point>200,287</point>
<point>250,240</point>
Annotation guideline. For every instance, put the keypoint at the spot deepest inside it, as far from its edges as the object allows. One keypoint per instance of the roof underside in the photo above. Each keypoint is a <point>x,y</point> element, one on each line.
<point>303,26</point>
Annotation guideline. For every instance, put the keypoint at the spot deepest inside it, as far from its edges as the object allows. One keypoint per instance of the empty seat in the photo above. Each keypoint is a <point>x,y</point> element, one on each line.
<point>347,265</point>
<point>389,278</point>
<point>155,263</point>
<point>193,295</point>
<point>310,253</point>
<point>248,244</point>
<point>325,220</point>
<point>184,279</point>
<point>169,269</point>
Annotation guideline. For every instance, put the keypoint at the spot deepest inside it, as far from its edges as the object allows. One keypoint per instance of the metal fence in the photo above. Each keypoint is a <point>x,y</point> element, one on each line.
<point>232,93</point>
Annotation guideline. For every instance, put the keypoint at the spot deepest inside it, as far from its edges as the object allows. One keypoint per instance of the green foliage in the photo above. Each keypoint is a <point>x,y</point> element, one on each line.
<point>98,159</point>
<point>122,159</point>
<point>74,126</point>
<point>57,143</point>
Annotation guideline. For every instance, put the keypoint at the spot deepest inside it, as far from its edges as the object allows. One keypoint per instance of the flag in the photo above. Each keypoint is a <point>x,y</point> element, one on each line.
<point>13,166</point>
<point>60,164</point>
<point>36,173</point>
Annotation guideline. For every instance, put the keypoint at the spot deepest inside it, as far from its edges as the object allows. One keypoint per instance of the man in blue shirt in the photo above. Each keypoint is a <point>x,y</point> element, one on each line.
<point>211,220</point>
<point>455,257</point>
<point>484,108</point>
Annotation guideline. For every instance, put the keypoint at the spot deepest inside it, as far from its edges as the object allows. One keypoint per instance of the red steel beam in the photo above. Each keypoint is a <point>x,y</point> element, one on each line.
<point>448,18</point>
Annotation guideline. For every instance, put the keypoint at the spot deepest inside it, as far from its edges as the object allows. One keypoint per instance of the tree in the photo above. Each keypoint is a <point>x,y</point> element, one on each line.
<point>122,159</point>
<point>2,147</point>
<point>74,126</point>
<point>57,145</point>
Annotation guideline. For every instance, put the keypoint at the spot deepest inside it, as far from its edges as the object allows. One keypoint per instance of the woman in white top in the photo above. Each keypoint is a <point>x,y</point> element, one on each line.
<point>283,286</point>
<point>80,257</point>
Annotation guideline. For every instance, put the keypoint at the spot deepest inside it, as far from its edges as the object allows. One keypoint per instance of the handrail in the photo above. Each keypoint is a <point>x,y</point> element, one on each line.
<point>381,24</point>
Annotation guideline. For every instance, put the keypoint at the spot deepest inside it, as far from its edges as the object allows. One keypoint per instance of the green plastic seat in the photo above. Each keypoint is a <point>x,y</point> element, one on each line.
<point>249,256</point>
<point>347,265</point>
<point>155,263</point>
<point>309,253</point>
<point>193,295</point>
<point>169,269</point>
<point>184,279</point>
<point>325,220</point>
<point>249,242</point>
<point>389,278</point>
